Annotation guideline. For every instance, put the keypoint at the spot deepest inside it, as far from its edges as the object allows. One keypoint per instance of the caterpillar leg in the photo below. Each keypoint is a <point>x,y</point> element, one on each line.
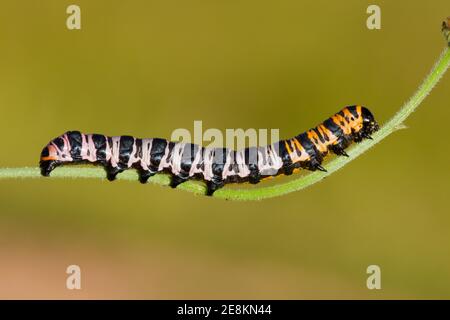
<point>144,175</point>
<point>112,172</point>
<point>315,164</point>
<point>177,180</point>
<point>360,136</point>
<point>320,168</point>
<point>340,146</point>
<point>338,150</point>
<point>254,177</point>
<point>212,186</point>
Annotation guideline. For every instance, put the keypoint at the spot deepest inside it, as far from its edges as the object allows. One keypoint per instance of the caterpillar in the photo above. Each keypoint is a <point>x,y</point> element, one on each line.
<point>215,166</point>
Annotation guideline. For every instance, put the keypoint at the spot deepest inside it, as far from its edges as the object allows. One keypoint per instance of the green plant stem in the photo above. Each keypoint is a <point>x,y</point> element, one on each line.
<point>259,193</point>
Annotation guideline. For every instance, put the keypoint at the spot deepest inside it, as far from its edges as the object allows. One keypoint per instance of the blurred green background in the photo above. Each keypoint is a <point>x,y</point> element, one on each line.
<point>146,68</point>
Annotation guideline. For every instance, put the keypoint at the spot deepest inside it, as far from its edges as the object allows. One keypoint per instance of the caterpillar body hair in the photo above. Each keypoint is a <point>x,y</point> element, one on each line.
<point>215,166</point>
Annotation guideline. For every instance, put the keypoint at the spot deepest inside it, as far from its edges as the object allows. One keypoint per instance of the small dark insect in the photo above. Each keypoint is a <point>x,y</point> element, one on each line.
<point>216,166</point>
<point>446,29</point>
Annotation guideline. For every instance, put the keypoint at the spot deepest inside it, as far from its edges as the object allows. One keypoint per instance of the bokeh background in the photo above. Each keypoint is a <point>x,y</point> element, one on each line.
<point>146,68</point>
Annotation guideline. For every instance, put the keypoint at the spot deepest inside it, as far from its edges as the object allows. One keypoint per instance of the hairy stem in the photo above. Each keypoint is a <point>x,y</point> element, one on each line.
<point>260,193</point>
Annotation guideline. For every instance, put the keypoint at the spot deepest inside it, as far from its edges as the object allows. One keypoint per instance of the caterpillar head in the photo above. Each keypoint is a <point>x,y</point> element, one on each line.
<point>49,160</point>
<point>54,154</point>
<point>369,124</point>
<point>361,122</point>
